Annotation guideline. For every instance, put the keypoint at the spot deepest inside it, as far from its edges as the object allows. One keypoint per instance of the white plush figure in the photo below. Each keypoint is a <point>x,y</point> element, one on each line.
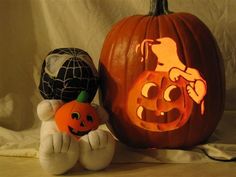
<point>65,72</point>
<point>59,152</point>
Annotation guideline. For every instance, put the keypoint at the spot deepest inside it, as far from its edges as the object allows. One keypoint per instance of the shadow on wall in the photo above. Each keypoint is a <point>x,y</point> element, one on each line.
<point>16,65</point>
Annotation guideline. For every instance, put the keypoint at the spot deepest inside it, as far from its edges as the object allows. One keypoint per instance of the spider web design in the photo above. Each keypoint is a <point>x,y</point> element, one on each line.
<point>74,76</point>
<point>75,52</point>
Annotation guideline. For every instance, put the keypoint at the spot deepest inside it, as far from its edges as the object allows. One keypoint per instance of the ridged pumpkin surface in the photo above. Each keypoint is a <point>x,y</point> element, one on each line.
<point>120,66</point>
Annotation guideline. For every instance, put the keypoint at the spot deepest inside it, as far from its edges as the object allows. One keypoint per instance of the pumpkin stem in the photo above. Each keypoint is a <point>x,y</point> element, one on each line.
<point>83,97</point>
<point>159,7</point>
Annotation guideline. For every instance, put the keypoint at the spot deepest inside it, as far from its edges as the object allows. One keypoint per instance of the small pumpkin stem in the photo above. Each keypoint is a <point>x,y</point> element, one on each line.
<point>83,97</point>
<point>159,7</point>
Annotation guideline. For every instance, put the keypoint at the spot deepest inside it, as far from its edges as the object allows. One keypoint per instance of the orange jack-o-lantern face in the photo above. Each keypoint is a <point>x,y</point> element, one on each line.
<point>162,100</point>
<point>158,104</point>
<point>77,118</point>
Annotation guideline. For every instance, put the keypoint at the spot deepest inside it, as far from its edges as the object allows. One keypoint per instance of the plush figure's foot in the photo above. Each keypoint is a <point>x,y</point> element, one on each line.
<point>58,153</point>
<point>96,149</point>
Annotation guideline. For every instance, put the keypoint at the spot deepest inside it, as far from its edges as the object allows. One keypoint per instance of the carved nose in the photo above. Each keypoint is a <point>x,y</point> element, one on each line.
<point>82,124</point>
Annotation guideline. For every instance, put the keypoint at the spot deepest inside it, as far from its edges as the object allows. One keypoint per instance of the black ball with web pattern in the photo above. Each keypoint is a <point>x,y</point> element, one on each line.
<point>74,73</point>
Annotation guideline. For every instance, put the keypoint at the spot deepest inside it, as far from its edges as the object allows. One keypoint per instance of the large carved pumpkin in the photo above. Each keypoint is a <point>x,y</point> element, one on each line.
<point>162,79</point>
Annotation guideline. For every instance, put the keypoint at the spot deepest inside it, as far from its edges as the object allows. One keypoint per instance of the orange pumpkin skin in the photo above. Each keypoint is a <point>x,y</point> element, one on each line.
<point>120,66</point>
<point>76,118</point>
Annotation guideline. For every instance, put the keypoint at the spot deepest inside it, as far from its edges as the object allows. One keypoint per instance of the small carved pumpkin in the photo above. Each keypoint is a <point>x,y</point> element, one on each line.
<point>77,117</point>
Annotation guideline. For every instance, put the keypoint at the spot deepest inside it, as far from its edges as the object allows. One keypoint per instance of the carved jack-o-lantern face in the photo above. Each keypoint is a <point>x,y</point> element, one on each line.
<point>77,118</point>
<point>158,104</point>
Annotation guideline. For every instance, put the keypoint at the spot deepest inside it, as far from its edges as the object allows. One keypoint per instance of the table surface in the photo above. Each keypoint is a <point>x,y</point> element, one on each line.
<point>29,167</point>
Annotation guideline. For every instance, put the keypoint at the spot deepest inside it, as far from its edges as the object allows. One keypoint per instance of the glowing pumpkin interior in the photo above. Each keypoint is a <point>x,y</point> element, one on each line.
<point>162,100</point>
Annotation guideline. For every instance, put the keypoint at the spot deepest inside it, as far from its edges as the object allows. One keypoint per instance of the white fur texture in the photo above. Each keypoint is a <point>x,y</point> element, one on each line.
<point>96,149</point>
<point>59,152</point>
<point>47,108</point>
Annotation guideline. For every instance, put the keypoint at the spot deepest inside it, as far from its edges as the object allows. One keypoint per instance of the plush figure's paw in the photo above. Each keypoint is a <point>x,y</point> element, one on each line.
<point>96,149</point>
<point>58,153</point>
<point>101,112</point>
<point>47,108</point>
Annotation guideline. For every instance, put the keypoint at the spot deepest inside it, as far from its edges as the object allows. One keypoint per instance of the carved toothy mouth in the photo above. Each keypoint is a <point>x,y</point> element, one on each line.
<point>78,133</point>
<point>161,117</point>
